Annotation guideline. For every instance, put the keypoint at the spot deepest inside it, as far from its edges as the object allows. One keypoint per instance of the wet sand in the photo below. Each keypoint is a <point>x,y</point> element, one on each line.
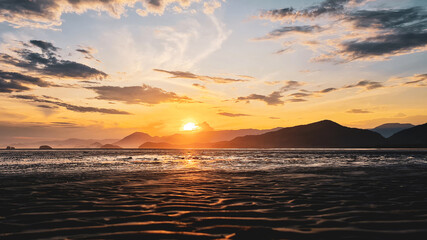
<point>288,203</point>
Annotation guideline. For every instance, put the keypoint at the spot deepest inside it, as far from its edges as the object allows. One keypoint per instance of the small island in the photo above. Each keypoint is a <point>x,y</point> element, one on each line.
<point>45,147</point>
<point>10,148</point>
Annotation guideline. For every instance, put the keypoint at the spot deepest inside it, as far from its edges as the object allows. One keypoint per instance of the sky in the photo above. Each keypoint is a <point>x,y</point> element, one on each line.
<point>104,69</point>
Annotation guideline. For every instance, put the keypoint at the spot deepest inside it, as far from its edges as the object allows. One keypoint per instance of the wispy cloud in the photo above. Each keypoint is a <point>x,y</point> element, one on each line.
<point>228,114</point>
<point>189,75</point>
<point>71,107</point>
<point>357,110</point>
<point>138,94</point>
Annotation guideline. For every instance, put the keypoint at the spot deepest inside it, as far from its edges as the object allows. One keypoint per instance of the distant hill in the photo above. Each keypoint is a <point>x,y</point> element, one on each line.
<point>411,137</point>
<point>323,134</point>
<point>157,145</point>
<point>388,129</point>
<point>110,146</point>
<point>68,143</point>
<point>134,140</point>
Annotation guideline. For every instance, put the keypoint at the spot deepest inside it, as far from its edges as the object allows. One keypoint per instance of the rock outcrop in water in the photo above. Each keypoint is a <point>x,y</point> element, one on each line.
<point>412,137</point>
<point>10,148</point>
<point>45,147</point>
<point>323,134</point>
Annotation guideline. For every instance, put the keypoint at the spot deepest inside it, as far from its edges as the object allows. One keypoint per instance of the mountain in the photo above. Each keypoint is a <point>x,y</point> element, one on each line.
<point>323,134</point>
<point>110,146</point>
<point>389,129</point>
<point>411,137</point>
<point>68,143</point>
<point>134,140</point>
<point>211,136</point>
<point>157,145</point>
<point>187,138</point>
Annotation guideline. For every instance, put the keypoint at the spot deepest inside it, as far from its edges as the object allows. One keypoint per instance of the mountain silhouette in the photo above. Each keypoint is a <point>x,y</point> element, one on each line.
<point>187,138</point>
<point>134,140</point>
<point>157,145</point>
<point>411,137</point>
<point>323,134</point>
<point>388,129</point>
<point>110,146</point>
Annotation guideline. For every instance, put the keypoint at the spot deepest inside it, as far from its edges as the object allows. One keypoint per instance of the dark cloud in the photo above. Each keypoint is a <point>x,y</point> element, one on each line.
<point>284,31</point>
<point>327,90</point>
<point>47,13</point>
<point>368,85</point>
<point>332,7</point>
<point>138,94</point>
<point>296,100</point>
<point>401,19</point>
<point>189,75</point>
<point>384,45</point>
<point>88,53</point>
<point>301,94</point>
<point>47,106</point>
<point>391,31</point>
<point>356,110</point>
<point>290,85</point>
<point>71,107</point>
<point>17,82</point>
<point>45,46</point>
<point>49,64</point>
<point>227,114</point>
<point>272,99</point>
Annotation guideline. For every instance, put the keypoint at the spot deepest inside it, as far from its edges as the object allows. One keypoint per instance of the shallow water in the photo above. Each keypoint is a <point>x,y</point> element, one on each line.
<point>213,194</point>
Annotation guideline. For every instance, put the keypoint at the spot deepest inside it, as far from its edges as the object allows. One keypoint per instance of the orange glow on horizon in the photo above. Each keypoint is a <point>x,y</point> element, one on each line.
<point>190,127</point>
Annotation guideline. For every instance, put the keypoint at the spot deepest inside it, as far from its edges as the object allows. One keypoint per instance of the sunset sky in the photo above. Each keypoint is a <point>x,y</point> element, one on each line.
<point>104,69</point>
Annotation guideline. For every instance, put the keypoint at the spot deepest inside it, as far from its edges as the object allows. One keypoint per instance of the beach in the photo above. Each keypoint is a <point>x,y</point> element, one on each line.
<point>213,194</point>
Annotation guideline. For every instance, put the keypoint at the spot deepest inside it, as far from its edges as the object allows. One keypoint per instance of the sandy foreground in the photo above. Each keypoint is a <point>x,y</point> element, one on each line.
<point>347,201</point>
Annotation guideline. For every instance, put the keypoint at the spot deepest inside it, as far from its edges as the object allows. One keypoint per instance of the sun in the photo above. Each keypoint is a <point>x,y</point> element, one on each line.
<point>190,126</point>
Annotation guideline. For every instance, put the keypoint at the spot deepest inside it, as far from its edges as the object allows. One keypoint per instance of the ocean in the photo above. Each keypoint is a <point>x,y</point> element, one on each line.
<point>213,194</point>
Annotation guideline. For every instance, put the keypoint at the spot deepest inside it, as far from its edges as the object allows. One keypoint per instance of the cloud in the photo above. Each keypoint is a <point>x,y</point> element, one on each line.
<point>418,79</point>
<point>189,75</point>
<point>199,86</point>
<point>71,107</point>
<point>88,53</point>
<point>275,97</point>
<point>45,46</point>
<point>49,63</point>
<point>47,13</point>
<point>368,85</point>
<point>330,7</point>
<point>285,31</point>
<point>17,82</point>
<point>353,34</point>
<point>227,114</point>
<point>272,99</point>
<point>209,7</point>
<point>138,94</point>
<point>290,85</point>
<point>357,110</point>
